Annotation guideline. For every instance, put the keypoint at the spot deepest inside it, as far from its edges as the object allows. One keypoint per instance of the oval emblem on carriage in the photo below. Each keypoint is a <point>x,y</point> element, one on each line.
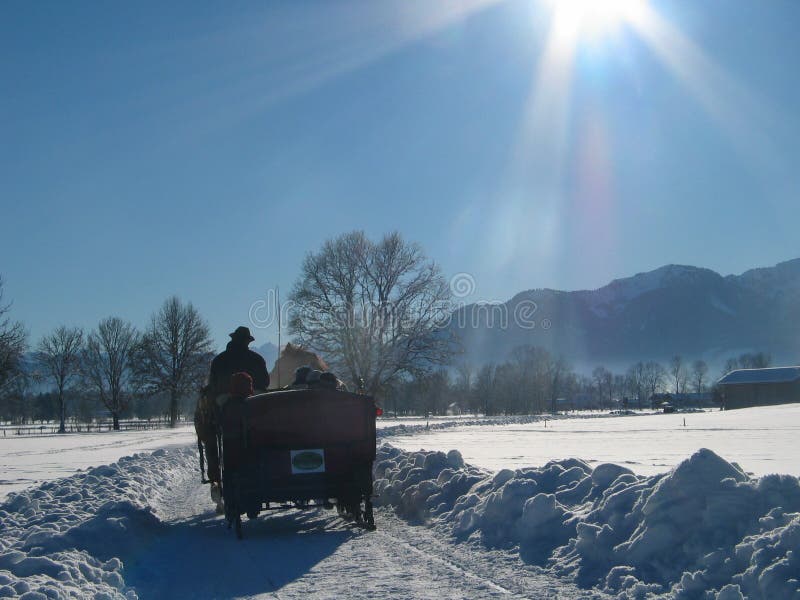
<point>308,460</point>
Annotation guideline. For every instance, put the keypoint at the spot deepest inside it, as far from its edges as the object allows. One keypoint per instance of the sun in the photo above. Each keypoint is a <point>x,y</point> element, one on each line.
<point>592,19</point>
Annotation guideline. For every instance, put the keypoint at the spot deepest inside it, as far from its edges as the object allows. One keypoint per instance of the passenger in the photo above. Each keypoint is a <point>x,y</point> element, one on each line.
<point>236,358</point>
<point>329,381</point>
<point>313,378</point>
<point>300,377</point>
<point>305,377</point>
<point>241,386</point>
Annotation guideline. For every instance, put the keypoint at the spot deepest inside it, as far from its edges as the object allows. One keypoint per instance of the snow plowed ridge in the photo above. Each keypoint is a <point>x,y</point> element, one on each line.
<point>704,530</point>
<point>63,538</point>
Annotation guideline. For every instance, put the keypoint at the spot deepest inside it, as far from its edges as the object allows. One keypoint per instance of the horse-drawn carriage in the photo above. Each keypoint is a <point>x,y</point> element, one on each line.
<point>297,448</point>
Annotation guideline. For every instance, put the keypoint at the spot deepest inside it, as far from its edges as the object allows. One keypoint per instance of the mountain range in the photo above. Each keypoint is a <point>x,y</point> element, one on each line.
<point>269,351</point>
<point>675,309</point>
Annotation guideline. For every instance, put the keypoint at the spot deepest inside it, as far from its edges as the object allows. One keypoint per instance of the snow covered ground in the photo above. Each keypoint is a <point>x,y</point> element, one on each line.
<point>28,460</point>
<point>762,440</point>
<point>142,526</point>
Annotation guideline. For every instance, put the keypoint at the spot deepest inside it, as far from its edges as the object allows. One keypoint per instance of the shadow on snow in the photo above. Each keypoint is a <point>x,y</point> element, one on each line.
<point>201,558</point>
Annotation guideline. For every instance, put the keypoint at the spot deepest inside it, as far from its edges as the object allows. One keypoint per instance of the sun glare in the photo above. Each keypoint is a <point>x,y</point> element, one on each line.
<point>587,19</point>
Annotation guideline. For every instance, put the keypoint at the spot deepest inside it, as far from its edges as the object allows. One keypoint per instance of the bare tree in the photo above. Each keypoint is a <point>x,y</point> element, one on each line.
<point>374,310</point>
<point>604,380</point>
<point>15,399</point>
<point>465,378</point>
<point>13,340</point>
<point>58,355</point>
<point>731,364</point>
<point>755,360</point>
<point>174,353</point>
<point>485,388</point>
<point>699,372</point>
<point>748,360</point>
<point>465,374</point>
<point>637,381</point>
<point>559,373</point>
<point>533,372</point>
<point>678,373</point>
<point>106,363</point>
<point>654,375</point>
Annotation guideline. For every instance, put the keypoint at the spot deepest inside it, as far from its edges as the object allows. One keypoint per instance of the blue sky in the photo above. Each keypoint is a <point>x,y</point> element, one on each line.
<point>201,149</point>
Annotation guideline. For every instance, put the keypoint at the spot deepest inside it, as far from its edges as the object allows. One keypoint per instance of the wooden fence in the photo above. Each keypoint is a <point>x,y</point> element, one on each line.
<point>97,427</point>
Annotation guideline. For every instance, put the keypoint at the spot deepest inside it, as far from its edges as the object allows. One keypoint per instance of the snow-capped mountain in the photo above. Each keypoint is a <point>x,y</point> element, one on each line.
<point>675,309</point>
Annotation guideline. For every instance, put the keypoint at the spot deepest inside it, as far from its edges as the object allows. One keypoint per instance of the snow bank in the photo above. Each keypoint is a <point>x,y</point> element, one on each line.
<point>705,530</point>
<point>59,539</point>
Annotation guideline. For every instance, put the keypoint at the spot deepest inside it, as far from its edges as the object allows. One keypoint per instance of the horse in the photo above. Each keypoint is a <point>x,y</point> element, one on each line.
<point>291,358</point>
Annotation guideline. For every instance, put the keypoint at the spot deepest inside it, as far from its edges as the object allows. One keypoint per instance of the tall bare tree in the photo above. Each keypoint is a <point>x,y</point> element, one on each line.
<point>13,338</point>
<point>636,381</point>
<point>558,376</point>
<point>372,309</point>
<point>699,372</point>
<point>58,355</point>
<point>485,386</point>
<point>654,376</point>
<point>604,380</point>
<point>174,353</point>
<point>678,373</point>
<point>106,364</point>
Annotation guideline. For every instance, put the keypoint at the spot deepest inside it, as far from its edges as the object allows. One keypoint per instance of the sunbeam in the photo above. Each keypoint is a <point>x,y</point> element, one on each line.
<point>561,160</point>
<point>739,113</point>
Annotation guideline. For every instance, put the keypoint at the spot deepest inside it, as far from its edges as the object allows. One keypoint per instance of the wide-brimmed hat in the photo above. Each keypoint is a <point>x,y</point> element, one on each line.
<point>241,333</point>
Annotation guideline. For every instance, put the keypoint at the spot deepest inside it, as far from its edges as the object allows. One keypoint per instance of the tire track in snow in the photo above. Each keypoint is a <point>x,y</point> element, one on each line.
<point>450,564</point>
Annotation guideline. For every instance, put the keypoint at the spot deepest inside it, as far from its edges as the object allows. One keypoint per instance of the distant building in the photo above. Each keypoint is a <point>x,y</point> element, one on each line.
<point>760,387</point>
<point>688,400</point>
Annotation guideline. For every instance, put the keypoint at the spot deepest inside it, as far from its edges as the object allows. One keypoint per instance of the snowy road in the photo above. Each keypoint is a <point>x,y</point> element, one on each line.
<point>313,554</point>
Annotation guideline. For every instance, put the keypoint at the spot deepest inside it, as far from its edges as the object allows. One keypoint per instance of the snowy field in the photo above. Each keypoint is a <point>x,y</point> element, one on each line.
<point>761,440</point>
<point>496,520</point>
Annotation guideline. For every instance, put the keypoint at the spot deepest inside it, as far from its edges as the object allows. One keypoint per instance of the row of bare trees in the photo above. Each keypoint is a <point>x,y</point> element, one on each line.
<point>114,362</point>
<point>694,377</point>
<point>532,380</point>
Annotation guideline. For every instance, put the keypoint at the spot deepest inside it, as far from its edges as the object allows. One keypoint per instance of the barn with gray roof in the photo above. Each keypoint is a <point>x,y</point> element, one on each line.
<point>760,387</point>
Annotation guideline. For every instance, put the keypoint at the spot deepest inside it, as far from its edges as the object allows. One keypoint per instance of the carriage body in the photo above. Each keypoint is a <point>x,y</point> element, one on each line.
<point>290,447</point>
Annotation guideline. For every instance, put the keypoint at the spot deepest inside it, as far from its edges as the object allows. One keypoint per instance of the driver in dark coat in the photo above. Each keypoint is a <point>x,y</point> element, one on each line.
<point>236,358</point>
